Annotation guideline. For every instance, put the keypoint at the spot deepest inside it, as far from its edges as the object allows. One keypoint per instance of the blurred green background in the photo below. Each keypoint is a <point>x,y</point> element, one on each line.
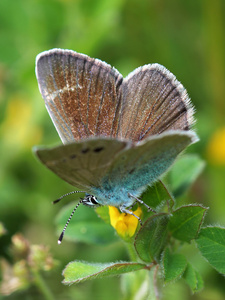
<point>187,37</point>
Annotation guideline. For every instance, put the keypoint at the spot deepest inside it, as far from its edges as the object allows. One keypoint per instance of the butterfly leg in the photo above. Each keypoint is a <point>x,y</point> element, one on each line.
<point>123,209</point>
<point>130,207</point>
<point>142,202</point>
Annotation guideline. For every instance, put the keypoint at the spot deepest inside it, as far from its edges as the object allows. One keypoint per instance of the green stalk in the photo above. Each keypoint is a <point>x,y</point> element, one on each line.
<point>42,286</point>
<point>131,251</point>
<point>154,292</point>
<point>151,278</point>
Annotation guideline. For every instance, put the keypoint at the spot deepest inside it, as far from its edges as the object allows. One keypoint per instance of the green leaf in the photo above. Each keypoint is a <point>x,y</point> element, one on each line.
<point>103,213</point>
<point>78,271</point>
<point>185,222</point>
<point>151,238</point>
<point>184,173</point>
<point>193,279</point>
<point>173,265</point>
<point>156,194</point>
<point>85,226</point>
<point>211,243</point>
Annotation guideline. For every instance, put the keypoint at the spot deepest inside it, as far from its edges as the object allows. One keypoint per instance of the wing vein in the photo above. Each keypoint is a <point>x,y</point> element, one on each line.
<point>60,101</point>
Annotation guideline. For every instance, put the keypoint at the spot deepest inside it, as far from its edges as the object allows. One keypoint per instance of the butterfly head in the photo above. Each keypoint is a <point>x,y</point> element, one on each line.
<point>90,200</point>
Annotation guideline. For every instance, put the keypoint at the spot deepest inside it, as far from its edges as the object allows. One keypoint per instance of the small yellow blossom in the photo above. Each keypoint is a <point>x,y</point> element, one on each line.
<point>18,129</point>
<point>125,224</point>
<point>216,147</point>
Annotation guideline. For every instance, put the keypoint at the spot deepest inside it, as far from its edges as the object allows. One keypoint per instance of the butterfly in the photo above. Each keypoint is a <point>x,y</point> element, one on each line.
<point>119,134</point>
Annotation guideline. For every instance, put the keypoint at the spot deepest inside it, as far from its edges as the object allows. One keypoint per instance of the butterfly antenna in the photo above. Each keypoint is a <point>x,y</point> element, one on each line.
<point>64,229</point>
<point>60,198</point>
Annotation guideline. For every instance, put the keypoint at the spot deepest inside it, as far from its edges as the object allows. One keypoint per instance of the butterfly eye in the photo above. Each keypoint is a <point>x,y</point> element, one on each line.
<point>90,200</point>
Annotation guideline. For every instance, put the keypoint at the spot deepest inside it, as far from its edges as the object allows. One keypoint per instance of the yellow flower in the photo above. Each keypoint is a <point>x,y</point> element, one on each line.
<point>124,224</point>
<point>18,129</point>
<point>216,147</point>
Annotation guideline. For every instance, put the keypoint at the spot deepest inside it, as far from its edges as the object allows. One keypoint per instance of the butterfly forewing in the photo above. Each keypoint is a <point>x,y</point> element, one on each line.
<point>82,164</point>
<point>141,165</point>
<point>153,101</point>
<point>82,94</point>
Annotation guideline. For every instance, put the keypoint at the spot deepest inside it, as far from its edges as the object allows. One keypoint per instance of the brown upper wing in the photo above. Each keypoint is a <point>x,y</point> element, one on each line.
<point>153,101</point>
<point>87,97</point>
<point>81,94</point>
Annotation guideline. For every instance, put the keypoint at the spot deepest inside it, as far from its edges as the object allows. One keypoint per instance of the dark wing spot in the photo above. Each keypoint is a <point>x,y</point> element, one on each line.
<point>98,149</point>
<point>85,150</point>
<point>131,171</point>
<point>73,156</point>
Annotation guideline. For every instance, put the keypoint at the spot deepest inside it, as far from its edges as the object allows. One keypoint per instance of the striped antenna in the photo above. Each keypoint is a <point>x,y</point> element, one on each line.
<point>60,198</point>
<point>64,229</point>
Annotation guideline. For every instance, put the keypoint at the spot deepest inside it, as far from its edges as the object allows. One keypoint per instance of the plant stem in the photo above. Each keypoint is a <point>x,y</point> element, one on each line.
<point>154,293</point>
<point>42,286</point>
<point>131,251</point>
<point>153,288</point>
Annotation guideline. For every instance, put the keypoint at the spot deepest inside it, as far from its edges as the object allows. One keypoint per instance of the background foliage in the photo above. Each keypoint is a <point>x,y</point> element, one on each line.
<point>185,36</point>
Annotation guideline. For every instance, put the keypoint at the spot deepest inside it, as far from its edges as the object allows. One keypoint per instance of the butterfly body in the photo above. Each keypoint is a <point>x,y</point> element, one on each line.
<point>115,196</point>
<point>120,134</point>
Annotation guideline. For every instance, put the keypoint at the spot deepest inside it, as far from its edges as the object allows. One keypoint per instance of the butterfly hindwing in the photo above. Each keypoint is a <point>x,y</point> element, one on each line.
<point>143,164</point>
<point>82,164</point>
